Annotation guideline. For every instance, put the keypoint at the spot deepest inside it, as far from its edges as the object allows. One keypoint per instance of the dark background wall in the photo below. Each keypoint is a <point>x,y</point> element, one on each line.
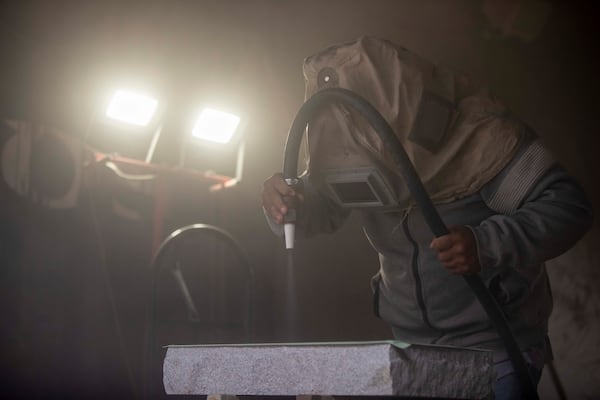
<point>75,282</point>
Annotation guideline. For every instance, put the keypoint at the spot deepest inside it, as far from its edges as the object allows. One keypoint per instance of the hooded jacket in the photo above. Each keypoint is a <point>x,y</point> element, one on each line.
<point>532,211</point>
<point>483,168</point>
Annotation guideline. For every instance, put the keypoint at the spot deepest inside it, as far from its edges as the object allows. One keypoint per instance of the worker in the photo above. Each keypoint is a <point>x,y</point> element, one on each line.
<point>509,204</point>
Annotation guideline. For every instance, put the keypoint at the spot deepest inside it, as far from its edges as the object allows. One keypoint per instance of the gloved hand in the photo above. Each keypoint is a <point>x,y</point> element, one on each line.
<point>457,251</point>
<point>274,194</point>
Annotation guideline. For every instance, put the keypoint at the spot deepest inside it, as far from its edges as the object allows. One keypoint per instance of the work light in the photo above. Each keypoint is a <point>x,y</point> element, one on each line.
<point>216,126</point>
<point>132,108</point>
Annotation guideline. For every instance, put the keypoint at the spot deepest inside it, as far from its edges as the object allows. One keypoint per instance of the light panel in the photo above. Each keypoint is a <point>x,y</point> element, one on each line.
<point>131,108</point>
<point>215,126</point>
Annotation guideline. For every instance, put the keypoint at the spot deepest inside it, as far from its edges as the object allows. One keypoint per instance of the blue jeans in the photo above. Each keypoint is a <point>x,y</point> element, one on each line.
<point>507,386</point>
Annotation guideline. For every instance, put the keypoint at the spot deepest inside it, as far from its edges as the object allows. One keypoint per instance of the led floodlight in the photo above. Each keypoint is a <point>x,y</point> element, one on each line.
<point>215,126</point>
<point>132,108</point>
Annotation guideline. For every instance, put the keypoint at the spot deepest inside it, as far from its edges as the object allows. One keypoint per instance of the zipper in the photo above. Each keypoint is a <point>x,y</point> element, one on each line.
<point>415,270</point>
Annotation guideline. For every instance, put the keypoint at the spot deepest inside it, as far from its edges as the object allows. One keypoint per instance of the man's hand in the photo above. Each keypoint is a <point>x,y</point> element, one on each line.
<point>457,251</point>
<point>273,193</point>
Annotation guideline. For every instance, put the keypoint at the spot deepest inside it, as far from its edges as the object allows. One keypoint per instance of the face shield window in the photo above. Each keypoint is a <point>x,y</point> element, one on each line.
<point>359,187</point>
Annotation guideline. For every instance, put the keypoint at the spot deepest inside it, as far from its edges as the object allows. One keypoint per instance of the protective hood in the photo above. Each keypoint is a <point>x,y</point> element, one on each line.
<point>456,135</point>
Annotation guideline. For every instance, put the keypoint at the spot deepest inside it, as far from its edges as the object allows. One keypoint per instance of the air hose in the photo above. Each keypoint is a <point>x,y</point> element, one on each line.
<point>420,196</point>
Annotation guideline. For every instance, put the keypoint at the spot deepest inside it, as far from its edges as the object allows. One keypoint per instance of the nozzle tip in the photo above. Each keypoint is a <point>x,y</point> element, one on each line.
<point>289,231</point>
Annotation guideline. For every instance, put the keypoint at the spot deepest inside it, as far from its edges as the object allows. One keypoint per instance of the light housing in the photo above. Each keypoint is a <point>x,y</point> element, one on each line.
<point>132,108</point>
<point>216,126</point>
<point>215,144</point>
<point>127,122</point>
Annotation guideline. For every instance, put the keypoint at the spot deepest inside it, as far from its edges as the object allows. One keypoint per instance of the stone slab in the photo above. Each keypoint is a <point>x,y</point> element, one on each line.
<point>383,368</point>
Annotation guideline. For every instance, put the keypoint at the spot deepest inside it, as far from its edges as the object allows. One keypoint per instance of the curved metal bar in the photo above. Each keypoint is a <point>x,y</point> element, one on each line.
<point>155,267</point>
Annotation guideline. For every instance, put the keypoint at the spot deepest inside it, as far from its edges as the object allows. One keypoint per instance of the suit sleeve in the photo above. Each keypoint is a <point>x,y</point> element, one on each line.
<point>541,212</point>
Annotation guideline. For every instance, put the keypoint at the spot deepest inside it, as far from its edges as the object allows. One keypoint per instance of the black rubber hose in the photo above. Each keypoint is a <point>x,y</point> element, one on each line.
<point>422,199</point>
